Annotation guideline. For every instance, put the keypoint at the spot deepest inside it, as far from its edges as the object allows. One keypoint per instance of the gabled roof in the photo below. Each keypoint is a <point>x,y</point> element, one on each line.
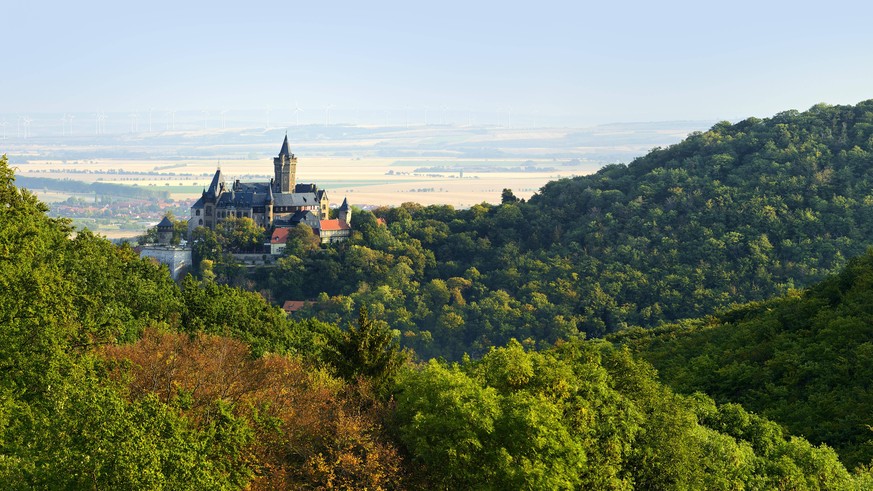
<point>334,225</point>
<point>280,236</point>
<point>301,216</point>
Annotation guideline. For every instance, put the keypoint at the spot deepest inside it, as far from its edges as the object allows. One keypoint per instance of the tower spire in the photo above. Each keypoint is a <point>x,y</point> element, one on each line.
<point>285,151</point>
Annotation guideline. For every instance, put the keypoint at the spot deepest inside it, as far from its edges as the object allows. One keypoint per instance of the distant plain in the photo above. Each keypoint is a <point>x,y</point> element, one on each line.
<point>371,166</point>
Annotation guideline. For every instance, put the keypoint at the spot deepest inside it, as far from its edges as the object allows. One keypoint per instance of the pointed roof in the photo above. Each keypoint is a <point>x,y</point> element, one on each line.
<point>214,188</point>
<point>345,205</point>
<point>285,151</point>
<point>270,192</point>
<point>165,223</point>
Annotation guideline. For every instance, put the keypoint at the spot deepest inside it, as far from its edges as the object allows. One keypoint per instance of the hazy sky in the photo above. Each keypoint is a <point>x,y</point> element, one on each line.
<point>585,62</point>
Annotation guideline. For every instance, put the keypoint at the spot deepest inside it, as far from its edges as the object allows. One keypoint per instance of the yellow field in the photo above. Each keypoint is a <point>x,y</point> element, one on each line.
<point>365,181</point>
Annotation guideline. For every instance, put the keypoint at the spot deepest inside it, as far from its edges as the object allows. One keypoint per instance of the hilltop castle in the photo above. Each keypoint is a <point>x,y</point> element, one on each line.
<point>280,203</point>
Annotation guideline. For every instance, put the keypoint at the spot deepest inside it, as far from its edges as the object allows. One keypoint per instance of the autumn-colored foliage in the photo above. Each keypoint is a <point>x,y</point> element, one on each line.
<point>311,430</point>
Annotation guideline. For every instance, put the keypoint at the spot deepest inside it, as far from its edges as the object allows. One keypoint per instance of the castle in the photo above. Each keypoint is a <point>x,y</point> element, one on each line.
<point>280,203</point>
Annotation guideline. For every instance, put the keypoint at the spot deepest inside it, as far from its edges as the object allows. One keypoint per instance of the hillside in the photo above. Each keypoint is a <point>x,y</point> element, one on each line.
<point>115,377</point>
<point>804,360</point>
<point>739,213</point>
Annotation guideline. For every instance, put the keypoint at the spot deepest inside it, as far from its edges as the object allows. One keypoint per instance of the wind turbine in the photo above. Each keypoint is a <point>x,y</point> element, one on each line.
<point>327,109</point>
<point>27,122</point>
<point>134,122</point>
<point>297,112</point>
<point>70,120</point>
<point>4,124</point>
<point>222,113</point>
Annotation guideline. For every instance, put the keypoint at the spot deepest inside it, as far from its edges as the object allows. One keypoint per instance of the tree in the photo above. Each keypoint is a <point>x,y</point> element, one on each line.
<point>367,349</point>
<point>301,240</point>
<point>239,234</point>
<point>507,197</point>
<point>205,244</point>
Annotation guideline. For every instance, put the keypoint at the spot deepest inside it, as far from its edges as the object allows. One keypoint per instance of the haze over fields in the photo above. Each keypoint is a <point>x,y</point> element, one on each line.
<point>372,165</point>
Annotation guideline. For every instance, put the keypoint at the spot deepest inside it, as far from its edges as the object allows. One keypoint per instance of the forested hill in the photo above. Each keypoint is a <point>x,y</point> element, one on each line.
<point>739,213</point>
<point>113,377</point>
<point>805,360</point>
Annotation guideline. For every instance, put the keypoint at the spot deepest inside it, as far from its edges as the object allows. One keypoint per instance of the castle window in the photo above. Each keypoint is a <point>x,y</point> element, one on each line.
<point>198,213</point>
<point>200,222</point>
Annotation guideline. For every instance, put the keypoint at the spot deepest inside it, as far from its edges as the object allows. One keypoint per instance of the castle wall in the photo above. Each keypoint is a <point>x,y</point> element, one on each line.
<point>176,258</point>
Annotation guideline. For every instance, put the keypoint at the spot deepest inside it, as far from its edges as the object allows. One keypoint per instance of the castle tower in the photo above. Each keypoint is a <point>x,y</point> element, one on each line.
<point>285,169</point>
<point>165,231</point>
<point>344,212</point>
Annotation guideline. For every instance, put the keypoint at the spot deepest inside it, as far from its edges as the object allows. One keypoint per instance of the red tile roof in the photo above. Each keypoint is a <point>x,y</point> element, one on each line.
<point>280,236</point>
<point>331,225</point>
<point>381,221</point>
<point>291,306</point>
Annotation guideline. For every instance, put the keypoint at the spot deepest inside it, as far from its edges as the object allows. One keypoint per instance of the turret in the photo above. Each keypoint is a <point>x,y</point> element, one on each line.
<point>165,231</point>
<point>344,212</point>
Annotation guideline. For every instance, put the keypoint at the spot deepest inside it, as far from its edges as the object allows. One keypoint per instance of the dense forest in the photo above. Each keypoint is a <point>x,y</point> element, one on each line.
<point>804,360</point>
<point>740,213</point>
<point>113,376</point>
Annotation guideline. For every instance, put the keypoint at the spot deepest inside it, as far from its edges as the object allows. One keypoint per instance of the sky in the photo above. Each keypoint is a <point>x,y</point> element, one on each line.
<point>576,62</point>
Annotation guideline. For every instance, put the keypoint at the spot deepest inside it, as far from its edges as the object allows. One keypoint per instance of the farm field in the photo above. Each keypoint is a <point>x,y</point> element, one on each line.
<point>371,166</point>
<point>366,181</point>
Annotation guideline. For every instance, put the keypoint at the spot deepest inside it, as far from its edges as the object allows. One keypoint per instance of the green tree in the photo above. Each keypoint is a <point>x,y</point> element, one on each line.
<point>367,349</point>
<point>507,197</point>
<point>301,241</point>
<point>239,234</point>
<point>205,244</point>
